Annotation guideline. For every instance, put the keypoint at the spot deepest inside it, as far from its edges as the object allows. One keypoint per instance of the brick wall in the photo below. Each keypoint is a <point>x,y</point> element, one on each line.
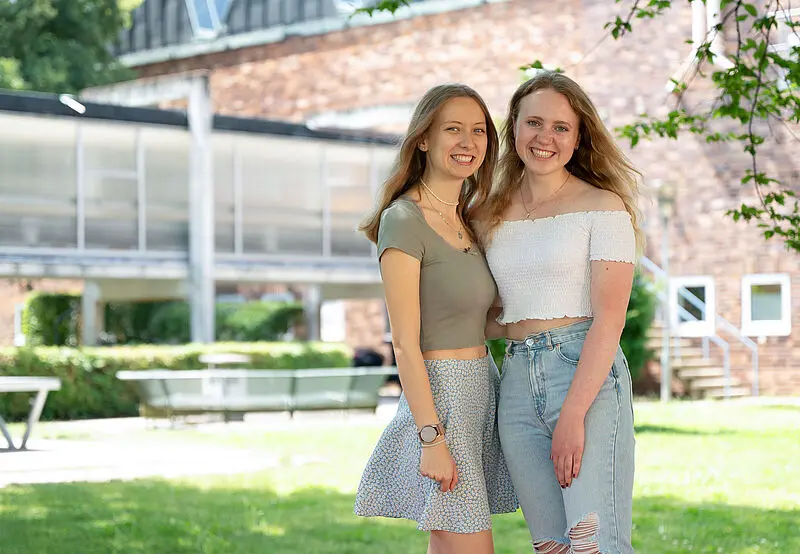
<point>484,47</point>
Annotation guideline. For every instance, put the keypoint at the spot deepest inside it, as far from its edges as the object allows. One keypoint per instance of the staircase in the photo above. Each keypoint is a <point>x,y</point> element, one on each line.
<point>697,372</point>
<point>699,376</point>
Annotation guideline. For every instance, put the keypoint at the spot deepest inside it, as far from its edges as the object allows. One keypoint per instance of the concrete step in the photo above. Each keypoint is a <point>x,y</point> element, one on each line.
<point>735,392</point>
<point>688,353</point>
<point>693,362</point>
<point>689,373</point>
<point>656,342</point>
<point>712,383</point>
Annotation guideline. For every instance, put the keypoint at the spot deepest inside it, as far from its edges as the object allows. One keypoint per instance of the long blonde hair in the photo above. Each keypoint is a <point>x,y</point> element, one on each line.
<point>409,165</point>
<point>597,161</point>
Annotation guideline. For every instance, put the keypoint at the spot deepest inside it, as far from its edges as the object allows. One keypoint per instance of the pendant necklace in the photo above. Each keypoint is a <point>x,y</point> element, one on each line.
<point>543,202</point>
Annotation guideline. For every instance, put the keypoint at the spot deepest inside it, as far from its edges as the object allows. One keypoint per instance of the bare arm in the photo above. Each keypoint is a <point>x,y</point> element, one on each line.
<point>401,284</point>
<point>495,330</point>
<point>610,293</point>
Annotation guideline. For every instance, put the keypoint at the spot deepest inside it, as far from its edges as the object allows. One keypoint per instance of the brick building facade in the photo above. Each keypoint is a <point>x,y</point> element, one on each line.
<point>373,69</point>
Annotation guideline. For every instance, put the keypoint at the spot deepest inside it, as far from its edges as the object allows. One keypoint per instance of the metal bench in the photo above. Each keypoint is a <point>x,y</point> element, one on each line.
<point>171,393</point>
<point>41,386</point>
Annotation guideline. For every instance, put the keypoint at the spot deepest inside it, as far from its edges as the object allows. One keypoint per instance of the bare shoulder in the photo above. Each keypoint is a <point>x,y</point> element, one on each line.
<point>591,198</point>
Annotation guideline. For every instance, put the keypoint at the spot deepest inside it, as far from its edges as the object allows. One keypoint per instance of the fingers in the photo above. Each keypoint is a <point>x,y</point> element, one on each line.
<point>560,465</point>
<point>567,467</point>
<point>576,465</point>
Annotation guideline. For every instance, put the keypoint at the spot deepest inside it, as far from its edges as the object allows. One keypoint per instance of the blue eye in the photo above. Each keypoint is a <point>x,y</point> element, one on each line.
<point>533,123</point>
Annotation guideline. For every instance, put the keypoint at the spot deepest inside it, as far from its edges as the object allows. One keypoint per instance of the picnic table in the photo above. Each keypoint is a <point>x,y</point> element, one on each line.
<point>39,385</point>
<point>234,392</point>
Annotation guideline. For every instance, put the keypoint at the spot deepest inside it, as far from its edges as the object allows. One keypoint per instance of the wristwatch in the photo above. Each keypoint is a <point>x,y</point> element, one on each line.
<point>430,433</point>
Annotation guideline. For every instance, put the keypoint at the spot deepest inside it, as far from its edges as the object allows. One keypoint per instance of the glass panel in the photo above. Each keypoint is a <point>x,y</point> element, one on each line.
<point>350,198</point>
<point>203,14</point>
<point>38,188</point>
<point>700,293</point>
<point>222,8</point>
<point>109,147</point>
<point>281,196</point>
<point>166,163</point>
<point>111,212</point>
<point>224,212</point>
<point>765,303</point>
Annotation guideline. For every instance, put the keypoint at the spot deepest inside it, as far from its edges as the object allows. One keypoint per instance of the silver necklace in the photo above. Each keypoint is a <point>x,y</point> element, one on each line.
<point>543,202</point>
<point>445,202</point>
<point>458,232</point>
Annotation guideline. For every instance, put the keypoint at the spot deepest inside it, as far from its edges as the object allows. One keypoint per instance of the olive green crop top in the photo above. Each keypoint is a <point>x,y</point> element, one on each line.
<point>456,288</point>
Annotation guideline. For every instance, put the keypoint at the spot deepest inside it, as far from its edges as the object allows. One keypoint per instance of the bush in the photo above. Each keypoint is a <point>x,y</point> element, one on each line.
<point>90,389</point>
<point>51,319</point>
<point>641,311</point>
<point>54,320</point>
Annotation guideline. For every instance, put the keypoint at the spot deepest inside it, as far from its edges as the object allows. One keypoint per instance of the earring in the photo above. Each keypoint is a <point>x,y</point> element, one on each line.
<point>423,148</point>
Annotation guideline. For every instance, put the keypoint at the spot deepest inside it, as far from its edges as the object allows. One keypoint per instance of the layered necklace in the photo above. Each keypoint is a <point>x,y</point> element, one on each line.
<point>549,197</point>
<point>459,231</point>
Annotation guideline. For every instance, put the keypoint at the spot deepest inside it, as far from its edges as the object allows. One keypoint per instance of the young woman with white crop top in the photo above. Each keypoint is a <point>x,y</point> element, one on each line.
<point>439,460</point>
<point>560,233</point>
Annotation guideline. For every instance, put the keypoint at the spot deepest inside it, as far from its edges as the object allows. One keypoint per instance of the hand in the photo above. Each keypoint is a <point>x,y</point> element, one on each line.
<point>567,449</point>
<point>437,463</point>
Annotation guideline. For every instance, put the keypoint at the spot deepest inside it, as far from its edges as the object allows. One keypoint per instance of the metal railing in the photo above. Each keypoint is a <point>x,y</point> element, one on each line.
<point>719,321</point>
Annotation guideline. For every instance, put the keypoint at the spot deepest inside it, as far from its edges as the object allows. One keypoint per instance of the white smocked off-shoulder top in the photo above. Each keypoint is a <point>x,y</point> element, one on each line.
<point>543,268</point>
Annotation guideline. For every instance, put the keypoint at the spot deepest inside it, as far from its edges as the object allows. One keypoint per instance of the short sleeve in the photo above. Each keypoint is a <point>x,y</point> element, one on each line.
<point>611,237</point>
<point>400,228</point>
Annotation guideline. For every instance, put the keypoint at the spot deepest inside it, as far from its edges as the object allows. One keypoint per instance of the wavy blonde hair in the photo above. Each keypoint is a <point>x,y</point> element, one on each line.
<point>597,161</point>
<point>409,166</point>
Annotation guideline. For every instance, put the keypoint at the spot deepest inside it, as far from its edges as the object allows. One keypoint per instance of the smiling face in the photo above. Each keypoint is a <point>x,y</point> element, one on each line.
<point>456,142</point>
<point>547,131</point>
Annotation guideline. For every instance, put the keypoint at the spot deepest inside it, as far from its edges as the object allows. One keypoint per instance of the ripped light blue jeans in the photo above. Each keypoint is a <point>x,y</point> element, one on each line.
<point>537,373</point>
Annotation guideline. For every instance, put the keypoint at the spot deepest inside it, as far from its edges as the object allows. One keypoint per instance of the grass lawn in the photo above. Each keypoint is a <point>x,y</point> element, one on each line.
<point>711,477</point>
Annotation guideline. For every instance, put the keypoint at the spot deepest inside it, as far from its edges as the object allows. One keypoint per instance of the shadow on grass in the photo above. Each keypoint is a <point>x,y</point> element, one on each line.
<point>641,429</point>
<point>663,524</point>
<point>155,516</point>
<point>782,407</point>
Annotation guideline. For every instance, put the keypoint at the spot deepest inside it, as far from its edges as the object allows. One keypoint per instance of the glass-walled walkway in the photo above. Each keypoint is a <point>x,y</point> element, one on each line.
<point>122,187</point>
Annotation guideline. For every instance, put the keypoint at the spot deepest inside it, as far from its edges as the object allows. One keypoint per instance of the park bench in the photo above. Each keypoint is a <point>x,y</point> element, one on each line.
<point>39,385</point>
<point>233,392</point>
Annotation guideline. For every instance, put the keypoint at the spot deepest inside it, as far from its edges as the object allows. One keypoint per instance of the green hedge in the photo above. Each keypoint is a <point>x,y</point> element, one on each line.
<point>51,319</point>
<point>89,388</point>
<point>169,322</point>
<point>54,320</point>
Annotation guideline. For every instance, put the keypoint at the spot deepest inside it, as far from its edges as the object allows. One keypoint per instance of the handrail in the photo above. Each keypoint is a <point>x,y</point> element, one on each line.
<point>719,322</point>
<point>748,342</point>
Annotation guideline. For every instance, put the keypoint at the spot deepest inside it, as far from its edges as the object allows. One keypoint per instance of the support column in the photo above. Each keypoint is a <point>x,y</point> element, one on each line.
<point>201,213</point>
<point>312,302</point>
<point>92,315</point>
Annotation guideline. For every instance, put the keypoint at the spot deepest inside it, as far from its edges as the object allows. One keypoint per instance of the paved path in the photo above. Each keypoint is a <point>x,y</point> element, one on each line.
<point>133,448</point>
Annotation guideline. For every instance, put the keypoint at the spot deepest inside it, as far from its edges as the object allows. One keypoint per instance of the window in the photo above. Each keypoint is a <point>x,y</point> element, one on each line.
<point>766,305</point>
<point>692,306</point>
<point>207,16</point>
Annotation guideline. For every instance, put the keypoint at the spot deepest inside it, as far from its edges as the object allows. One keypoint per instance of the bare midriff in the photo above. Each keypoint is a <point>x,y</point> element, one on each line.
<point>471,353</point>
<point>527,327</point>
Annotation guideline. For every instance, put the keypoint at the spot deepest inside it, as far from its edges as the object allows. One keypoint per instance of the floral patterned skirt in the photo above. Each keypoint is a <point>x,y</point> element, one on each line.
<point>465,395</point>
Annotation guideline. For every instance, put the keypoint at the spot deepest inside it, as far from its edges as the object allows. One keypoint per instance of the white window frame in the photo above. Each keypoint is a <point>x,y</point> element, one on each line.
<point>768,328</point>
<point>701,328</point>
<point>783,48</point>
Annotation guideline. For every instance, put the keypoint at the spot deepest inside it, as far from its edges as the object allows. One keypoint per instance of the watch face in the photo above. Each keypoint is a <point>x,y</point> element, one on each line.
<point>428,434</point>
